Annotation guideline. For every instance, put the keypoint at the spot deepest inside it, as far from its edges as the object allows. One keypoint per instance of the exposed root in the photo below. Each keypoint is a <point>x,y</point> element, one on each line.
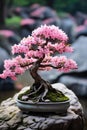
<point>39,92</point>
<point>44,94</point>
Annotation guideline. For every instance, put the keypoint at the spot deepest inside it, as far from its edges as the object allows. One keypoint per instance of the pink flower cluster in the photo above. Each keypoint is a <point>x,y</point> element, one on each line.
<point>42,44</point>
<point>50,32</point>
<point>62,47</point>
<point>64,64</point>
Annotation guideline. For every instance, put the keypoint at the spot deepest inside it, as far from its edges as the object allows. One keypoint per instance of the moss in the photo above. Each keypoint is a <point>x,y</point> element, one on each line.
<point>56,97</point>
<point>22,94</point>
<point>33,98</point>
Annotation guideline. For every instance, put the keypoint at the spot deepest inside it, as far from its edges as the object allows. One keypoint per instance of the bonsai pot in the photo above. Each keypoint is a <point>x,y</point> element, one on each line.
<point>57,107</point>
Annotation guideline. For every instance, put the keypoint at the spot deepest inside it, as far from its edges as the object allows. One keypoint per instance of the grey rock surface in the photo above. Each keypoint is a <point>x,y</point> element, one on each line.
<point>12,118</point>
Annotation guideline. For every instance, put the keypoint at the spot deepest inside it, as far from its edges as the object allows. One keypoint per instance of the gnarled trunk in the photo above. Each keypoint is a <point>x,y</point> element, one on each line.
<point>39,90</point>
<point>40,86</point>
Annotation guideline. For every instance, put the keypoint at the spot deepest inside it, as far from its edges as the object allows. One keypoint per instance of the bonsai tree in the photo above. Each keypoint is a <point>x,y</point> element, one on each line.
<point>38,52</point>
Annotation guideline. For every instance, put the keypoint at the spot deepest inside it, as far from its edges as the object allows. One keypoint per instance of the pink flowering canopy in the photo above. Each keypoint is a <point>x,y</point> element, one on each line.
<point>38,51</point>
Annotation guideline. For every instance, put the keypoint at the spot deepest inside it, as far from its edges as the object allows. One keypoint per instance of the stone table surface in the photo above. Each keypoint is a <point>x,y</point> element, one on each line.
<point>12,118</point>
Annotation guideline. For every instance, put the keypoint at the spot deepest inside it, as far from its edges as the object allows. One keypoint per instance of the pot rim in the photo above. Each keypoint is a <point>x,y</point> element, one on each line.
<point>42,103</point>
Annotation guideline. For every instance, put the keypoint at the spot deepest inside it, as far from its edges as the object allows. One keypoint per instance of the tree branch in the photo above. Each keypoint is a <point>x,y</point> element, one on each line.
<point>50,65</point>
<point>26,65</point>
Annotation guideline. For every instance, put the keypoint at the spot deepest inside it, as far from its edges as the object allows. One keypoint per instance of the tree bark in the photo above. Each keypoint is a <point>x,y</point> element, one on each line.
<point>2,13</point>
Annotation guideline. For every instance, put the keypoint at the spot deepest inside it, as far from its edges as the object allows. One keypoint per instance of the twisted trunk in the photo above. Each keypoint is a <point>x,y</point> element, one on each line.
<point>40,86</point>
<point>39,90</point>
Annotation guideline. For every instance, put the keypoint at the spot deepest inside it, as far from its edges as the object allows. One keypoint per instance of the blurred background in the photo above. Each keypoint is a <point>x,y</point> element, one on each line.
<point>17,20</point>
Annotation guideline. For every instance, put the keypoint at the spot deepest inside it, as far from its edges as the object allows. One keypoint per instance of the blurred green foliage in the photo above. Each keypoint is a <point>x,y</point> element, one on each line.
<point>13,22</point>
<point>60,5</point>
<point>71,5</point>
<point>27,2</point>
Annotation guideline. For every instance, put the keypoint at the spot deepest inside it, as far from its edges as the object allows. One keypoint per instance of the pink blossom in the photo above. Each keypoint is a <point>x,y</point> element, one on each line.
<point>38,12</point>
<point>19,70</point>
<point>64,64</point>
<point>34,6</point>
<point>80,28</point>
<point>18,9</point>
<point>6,33</point>
<point>28,41</point>
<point>50,32</point>
<point>68,49</point>
<point>19,49</point>
<point>62,47</point>
<point>56,61</point>
<point>24,46</point>
<point>38,54</point>
<point>70,64</point>
<point>40,46</point>
<point>48,21</point>
<point>85,22</point>
<point>27,21</point>
<point>8,73</point>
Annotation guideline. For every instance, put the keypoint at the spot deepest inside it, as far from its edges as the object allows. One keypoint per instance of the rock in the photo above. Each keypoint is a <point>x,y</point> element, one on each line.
<point>76,80</point>
<point>32,17</point>
<point>80,53</point>
<point>5,48</point>
<point>80,18</point>
<point>3,56</point>
<point>51,21</point>
<point>50,76</point>
<point>7,84</point>
<point>43,12</point>
<point>12,118</point>
<point>68,25</point>
<point>4,127</point>
<point>28,23</point>
<point>24,32</point>
<point>76,84</point>
<point>10,36</point>
<point>81,31</point>
<point>33,7</point>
